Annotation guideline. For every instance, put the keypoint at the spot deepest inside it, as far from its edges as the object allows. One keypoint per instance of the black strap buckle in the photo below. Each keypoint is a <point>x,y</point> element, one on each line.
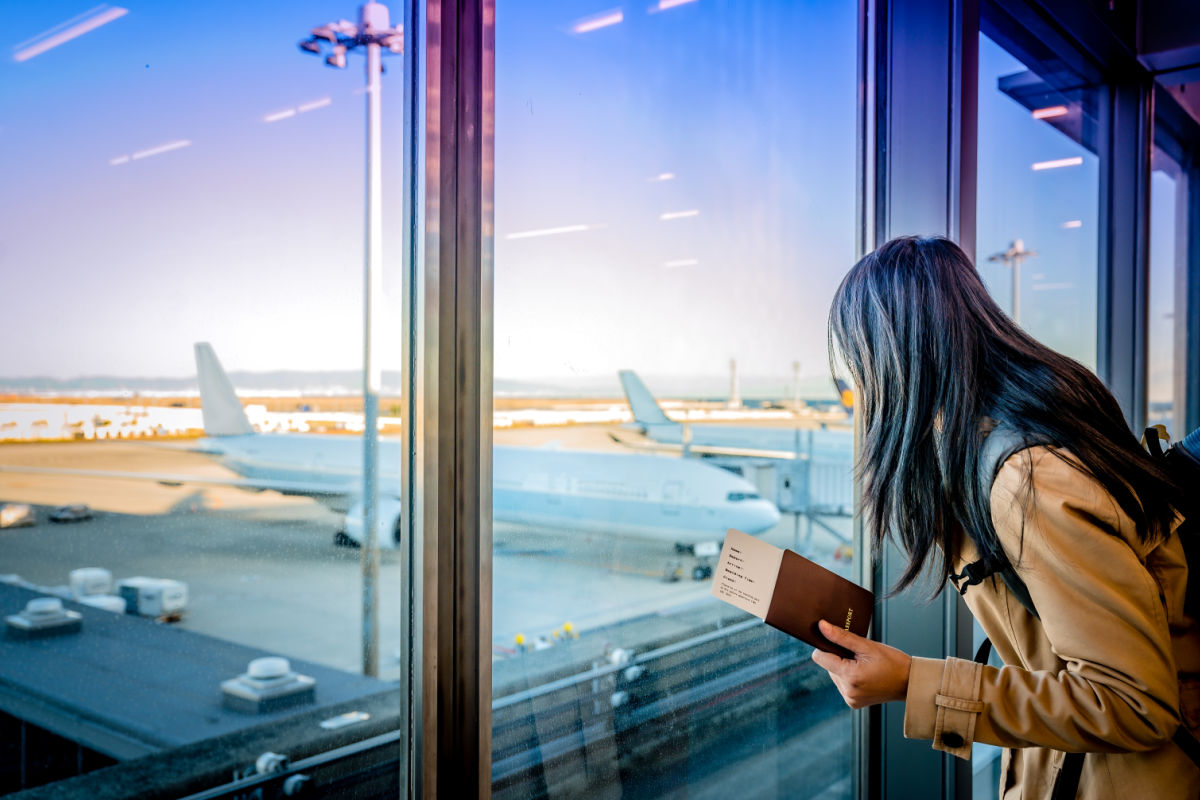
<point>972,574</point>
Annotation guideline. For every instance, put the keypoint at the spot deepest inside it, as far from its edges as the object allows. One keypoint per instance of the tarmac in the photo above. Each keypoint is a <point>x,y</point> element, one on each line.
<point>262,569</point>
<point>263,572</point>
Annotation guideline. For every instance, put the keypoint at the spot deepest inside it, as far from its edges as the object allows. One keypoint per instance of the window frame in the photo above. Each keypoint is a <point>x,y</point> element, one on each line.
<point>917,140</point>
<point>918,126</point>
<point>447,520</point>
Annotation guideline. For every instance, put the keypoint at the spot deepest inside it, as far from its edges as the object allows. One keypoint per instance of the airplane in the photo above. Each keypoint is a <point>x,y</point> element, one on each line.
<point>676,500</point>
<point>811,469</point>
<point>735,441</point>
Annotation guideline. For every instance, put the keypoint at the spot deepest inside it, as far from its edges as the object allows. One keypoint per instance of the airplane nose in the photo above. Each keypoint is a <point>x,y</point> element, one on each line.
<point>761,517</point>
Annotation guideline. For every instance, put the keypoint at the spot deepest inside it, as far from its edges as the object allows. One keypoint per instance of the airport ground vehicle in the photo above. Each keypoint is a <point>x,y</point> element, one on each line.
<point>17,515</point>
<point>76,512</point>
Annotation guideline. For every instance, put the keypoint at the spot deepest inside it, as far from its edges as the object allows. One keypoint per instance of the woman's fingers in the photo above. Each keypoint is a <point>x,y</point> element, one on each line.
<point>839,636</point>
<point>828,661</point>
<point>876,674</point>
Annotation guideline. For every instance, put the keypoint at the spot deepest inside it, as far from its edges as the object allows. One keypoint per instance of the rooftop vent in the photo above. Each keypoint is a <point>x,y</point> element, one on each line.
<point>268,684</point>
<point>90,581</point>
<point>42,617</point>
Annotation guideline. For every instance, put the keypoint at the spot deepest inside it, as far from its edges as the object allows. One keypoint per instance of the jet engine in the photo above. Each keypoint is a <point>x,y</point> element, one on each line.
<point>387,524</point>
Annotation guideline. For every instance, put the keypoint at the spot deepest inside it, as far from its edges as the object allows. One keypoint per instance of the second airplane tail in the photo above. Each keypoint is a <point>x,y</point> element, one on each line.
<point>645,408</point>
<point>223,412</point>
<point>845,394</point>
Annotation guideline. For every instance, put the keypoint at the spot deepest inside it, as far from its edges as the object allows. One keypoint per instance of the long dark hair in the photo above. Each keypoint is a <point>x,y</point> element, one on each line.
<point>932,356</point>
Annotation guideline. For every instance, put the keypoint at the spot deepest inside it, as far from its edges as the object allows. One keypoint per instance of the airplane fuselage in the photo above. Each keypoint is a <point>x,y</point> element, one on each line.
<point>829,445</point>
<point>660,497</point>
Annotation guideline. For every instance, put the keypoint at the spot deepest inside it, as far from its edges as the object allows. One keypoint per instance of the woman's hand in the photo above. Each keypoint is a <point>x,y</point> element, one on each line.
<point>876,674</point>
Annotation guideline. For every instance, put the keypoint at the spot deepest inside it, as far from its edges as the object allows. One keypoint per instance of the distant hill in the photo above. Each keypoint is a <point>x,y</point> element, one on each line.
<point>337,382</point>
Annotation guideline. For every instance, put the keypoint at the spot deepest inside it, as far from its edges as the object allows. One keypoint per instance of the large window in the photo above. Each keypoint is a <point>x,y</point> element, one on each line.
<point>179,174</point>
<point>1038,197</point>
<point>675,204</point>
<point>202,427</point>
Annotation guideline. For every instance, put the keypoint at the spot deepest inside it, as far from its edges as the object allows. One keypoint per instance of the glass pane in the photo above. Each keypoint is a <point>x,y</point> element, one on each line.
<point>1038,198</point>
<point>675,198</point>
<point>178,174</point>
<point>1037,211</point>
<point>1168,295</point>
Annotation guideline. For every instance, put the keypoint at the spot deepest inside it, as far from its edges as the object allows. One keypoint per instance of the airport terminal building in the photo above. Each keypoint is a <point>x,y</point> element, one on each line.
<point>402,399</point>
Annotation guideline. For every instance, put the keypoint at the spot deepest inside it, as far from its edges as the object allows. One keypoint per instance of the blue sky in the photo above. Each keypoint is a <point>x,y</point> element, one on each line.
<point>719,95</point>
<point>251,235</point>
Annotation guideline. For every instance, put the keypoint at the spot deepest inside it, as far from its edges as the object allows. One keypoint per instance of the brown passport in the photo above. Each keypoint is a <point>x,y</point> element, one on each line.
<point>789,592</point>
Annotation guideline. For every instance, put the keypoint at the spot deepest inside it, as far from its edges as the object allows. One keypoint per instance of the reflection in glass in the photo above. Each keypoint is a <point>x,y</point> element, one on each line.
<point>674,209</point>
<point>161,193</point>
<point>1166,339</point>
<point>1038,198</point>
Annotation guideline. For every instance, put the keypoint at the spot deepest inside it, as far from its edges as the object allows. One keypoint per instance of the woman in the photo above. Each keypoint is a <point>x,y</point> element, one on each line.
<point>1082,513</point>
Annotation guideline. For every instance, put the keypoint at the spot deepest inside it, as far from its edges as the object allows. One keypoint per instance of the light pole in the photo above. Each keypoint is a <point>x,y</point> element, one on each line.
<point>372,32</point>
<point>1012,258</point>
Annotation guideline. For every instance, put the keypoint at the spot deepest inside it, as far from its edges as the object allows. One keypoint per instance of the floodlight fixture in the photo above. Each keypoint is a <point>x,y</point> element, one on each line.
<point>372,29</point>
<point>337,58</point>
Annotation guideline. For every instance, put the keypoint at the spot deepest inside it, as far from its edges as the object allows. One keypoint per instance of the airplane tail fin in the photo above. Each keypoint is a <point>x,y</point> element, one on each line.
<point>223,412</point>
<point>645,408</point>
<point>845,394</point>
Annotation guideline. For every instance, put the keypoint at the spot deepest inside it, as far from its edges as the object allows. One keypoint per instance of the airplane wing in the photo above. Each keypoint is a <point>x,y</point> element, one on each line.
<point>302,488</point>
<point>707,449</point>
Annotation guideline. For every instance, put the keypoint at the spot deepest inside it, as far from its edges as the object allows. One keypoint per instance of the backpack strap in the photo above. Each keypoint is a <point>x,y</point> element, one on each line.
<point>1001,442</point>
<point>1066,786</point>
<point>984,652</point>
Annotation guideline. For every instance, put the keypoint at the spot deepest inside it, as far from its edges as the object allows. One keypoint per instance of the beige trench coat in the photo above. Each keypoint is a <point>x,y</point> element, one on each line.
<point>1098,673</point>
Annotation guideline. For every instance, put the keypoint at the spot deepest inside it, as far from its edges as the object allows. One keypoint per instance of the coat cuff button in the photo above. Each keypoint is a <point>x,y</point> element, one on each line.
<point>952,739</point>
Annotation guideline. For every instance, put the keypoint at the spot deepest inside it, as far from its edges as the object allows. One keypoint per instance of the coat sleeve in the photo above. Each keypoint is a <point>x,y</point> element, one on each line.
<point>1101,613</point>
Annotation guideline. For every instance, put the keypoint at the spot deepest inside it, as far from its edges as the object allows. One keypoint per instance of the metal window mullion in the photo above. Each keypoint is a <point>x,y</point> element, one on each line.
<point>486,193</point>
<point>1122,296</point>
<point>454,462</point>
<point>864,727</point>
<point>961,203</point>
<point>411,523</point>
<point>963,102</point>
<point>924,104</point>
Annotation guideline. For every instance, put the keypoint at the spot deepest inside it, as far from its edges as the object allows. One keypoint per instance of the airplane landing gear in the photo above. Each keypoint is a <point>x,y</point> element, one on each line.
<point>340,539</point>
<point>705,554</point>
<point>699,560</point>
